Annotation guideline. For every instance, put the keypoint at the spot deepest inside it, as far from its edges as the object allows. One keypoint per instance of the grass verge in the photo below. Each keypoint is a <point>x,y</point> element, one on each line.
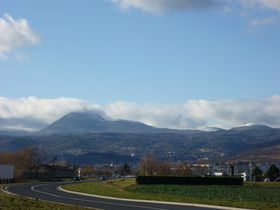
<point>10,202</point>
<point>253,196</point>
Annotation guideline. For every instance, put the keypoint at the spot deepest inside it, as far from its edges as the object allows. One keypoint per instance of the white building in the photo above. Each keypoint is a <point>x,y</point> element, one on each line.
<point>6,173</point>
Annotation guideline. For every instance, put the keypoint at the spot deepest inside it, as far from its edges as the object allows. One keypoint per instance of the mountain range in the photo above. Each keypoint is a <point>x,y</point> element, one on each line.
<point>90,137</point>
<point>93,122</point>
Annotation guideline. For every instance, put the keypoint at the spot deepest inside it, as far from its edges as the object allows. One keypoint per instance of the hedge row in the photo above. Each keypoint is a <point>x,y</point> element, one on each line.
<point>177,180</point>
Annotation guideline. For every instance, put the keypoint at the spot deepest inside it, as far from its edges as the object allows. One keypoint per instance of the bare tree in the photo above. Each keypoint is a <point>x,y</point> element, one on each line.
<point>183,169</point>
<point>150,166</point>
<point>87,171</point>
<point>163,169</point>
<point>27,160</point>
<point>31,161</point>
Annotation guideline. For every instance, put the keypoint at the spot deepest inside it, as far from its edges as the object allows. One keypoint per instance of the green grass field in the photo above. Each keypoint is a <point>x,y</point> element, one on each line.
<point>254,196</point>
<point>9,202</point>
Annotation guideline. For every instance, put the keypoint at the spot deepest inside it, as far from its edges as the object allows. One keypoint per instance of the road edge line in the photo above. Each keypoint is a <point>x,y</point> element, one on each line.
<point>60,188</point>
<point>4,189</point>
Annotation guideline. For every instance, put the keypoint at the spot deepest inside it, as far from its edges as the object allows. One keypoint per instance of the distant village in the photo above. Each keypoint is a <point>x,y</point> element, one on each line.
<point>27,165</point>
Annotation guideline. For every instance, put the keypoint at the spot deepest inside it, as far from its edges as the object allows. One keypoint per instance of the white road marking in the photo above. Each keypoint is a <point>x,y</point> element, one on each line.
<point>152,201</point>
<point>5,190</point>
<point>91,201</point>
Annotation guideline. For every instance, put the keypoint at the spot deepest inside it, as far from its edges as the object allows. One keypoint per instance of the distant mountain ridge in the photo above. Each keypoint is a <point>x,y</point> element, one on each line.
<point>252,127</point>
<point>165,146</point>
<point>97,122</point>
<point>93,122</point>
<point>80,136</point>
<point>13,133</point>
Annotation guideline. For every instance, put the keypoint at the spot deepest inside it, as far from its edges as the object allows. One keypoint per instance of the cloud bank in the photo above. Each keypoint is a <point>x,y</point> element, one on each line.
<point>160,6</point>
<point>15,34</point>
<point>33,113</point>
<point>252,8</point>
<point>269,4</point>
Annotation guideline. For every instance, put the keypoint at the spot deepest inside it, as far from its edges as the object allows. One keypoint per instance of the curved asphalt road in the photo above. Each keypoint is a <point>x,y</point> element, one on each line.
<point>48,192</point>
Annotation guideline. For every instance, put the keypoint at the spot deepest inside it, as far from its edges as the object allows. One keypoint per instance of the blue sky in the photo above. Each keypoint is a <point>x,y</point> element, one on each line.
<point>135,51</point>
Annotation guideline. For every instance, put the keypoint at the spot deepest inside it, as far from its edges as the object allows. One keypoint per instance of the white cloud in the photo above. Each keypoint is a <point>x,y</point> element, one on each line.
<point>228,114</point>
<point>255,10</point>
<point>273,4</point>
<point>196,114</point>
<point>160,6</point>
<point>34,113</point>
<point>269,4</point>
<point>255,22</point>
<point>158,115</point>
<point>15,34</point>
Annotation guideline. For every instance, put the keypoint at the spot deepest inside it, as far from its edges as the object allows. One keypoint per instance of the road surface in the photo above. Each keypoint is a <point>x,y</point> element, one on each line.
<point>49,192</point>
